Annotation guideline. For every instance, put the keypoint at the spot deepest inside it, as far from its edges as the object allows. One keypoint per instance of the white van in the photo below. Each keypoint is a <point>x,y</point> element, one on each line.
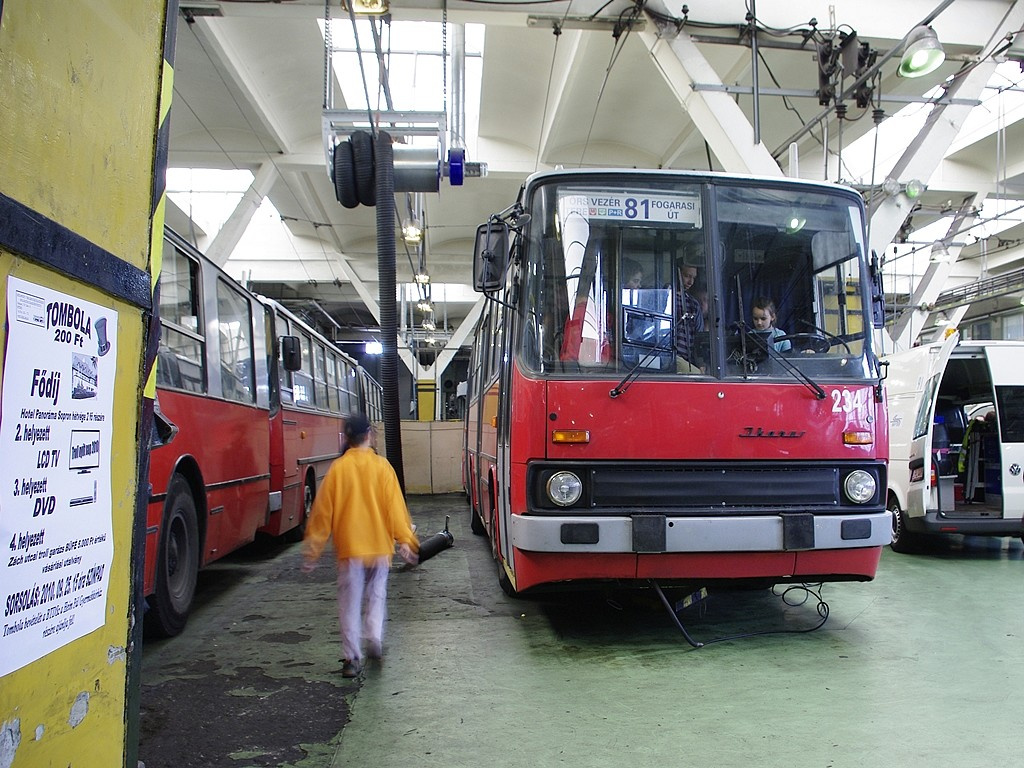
<point>956,439</point>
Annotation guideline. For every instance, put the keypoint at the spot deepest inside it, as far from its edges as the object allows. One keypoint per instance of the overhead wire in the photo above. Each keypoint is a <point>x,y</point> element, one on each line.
<point>619,41</point>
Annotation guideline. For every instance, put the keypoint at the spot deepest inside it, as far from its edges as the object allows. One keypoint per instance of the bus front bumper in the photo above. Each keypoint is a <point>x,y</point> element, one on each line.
<point>645,533</point>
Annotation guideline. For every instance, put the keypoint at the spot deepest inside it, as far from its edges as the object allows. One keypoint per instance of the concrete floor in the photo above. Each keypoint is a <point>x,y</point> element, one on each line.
<point>922,667</point>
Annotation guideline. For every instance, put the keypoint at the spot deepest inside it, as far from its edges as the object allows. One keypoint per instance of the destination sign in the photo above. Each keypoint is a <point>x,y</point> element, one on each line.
<point>634,206</point>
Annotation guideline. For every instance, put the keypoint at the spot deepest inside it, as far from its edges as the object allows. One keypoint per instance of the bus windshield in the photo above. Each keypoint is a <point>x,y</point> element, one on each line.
<point>723,278</point>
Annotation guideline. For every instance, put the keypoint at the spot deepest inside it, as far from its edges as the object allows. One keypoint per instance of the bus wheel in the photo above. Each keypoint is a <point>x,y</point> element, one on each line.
<point>476,525</point>
<point>296,534</point>
<point>177,564</point>
<point>902,539</point>
<point>505,582</point>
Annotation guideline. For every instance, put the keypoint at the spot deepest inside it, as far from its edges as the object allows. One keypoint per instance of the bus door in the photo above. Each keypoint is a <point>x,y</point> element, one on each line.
<point>1004,479</point>
<point>921,495</point>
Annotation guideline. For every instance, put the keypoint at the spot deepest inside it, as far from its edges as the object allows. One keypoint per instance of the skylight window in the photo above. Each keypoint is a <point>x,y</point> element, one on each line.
<point>207,195</point>
<point>414,69</point>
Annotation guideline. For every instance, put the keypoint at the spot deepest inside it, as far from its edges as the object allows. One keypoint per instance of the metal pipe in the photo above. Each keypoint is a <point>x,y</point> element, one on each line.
<point>386,297</point>
<point>753,72</point>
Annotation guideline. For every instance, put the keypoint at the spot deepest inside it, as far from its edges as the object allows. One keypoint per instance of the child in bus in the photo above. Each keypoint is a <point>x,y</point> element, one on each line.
<point>361,508</point>
<point>763,317</point>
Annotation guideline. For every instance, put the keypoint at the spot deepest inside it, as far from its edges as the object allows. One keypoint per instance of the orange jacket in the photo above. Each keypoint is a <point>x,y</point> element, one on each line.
<point>360,505</point>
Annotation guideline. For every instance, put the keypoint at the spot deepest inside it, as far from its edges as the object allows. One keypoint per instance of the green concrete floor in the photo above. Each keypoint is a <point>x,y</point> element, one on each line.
<point>921,667</point>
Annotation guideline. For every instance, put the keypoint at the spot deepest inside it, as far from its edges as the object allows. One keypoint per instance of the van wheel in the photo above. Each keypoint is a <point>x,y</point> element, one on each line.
<point>902,539</point>
<point>177,566</point>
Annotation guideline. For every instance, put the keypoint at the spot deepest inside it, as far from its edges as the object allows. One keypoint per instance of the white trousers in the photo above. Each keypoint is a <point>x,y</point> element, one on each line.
<point>362,595</point>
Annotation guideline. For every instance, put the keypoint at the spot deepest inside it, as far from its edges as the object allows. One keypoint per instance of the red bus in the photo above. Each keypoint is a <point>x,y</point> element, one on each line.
<point>251,404</point>
<point>629,420</point>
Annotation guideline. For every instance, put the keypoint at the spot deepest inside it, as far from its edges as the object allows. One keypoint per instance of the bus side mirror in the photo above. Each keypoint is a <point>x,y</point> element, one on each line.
<point>291,353</point>
<point>490,255</point>
<point>877,293</point>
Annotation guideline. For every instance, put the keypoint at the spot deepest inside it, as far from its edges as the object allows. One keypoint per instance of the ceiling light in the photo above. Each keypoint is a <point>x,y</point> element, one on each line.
<point>914,189</point>
<point>923,53</point>
<point>794,223</point>
<point>412,233</point>
<point>375,7</point>
<point>939,252</point>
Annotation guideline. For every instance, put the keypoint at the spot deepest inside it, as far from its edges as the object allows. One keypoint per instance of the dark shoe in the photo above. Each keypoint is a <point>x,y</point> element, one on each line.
<point>350,668</point>
<point>374,651</point>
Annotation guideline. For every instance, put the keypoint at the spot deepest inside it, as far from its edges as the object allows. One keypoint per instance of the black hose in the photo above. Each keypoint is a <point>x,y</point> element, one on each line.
<point>385,167</point>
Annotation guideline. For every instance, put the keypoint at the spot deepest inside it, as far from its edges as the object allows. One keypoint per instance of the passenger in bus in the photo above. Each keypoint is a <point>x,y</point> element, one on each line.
<point>762,314</point>
<point>360,507</point>
<point>632,275</point>
<point>689,319</point>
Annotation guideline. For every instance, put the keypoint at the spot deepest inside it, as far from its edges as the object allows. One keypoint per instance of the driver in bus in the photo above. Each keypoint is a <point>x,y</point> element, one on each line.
<point>689,319</point>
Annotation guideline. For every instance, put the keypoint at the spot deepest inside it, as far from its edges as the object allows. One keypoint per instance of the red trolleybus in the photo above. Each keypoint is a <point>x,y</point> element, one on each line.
<point>251,402</point>
<point>627,417</point>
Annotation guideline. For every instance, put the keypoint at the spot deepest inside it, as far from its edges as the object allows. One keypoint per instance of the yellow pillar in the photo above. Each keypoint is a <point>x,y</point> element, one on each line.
<point>426,399</point>
<point>80,87</point>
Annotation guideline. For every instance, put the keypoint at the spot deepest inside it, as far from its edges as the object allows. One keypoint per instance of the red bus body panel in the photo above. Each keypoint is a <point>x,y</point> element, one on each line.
<point>236,479</point>
<point>304,442</point>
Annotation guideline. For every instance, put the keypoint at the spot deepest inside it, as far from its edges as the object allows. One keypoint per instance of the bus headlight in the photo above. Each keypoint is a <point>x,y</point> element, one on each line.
<point>860,486</point>
<point>564,489</point>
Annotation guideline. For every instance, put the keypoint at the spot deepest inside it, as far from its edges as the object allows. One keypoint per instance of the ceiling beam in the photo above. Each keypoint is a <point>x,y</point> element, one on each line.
<point>223,245</point>
<point>718,117</point>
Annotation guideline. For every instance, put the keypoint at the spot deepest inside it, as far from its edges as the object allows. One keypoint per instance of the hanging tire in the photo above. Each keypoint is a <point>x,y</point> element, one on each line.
<point>365,168</point>
<point>177,563</point>
<point>344,175</point>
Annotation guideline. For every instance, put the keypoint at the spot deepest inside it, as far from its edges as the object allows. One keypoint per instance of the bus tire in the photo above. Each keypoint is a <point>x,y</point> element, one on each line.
<point>177,566</point>
<point>298,533</point>
<point>344,175</point>
<point>505,582</point>
<point>476,525</point>
<point>903,540</point>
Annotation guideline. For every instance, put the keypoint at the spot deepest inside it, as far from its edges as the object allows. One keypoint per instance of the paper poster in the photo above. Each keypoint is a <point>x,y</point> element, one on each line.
<point>55,438</point>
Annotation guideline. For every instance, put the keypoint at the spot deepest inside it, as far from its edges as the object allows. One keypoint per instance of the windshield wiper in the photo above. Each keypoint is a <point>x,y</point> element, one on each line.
<point>634,372</point>
<point>747,332</point>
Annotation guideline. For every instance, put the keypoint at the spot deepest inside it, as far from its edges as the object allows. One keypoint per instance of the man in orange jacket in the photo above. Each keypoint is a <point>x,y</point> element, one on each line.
<point>361,508</point>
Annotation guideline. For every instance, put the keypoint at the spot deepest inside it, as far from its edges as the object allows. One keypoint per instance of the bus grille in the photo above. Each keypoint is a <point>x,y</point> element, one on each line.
<point>729,488</point>
<point>706,488</point>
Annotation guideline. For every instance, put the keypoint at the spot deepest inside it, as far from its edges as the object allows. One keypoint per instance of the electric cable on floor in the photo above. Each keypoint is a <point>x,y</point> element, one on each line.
<point>805,590</point>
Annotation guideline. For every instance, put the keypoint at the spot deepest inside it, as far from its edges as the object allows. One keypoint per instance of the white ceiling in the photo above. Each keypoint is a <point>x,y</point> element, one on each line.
<point>248,94</point>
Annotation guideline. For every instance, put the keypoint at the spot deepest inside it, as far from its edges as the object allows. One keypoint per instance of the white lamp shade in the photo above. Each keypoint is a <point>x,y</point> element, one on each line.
<point>923,53</point>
